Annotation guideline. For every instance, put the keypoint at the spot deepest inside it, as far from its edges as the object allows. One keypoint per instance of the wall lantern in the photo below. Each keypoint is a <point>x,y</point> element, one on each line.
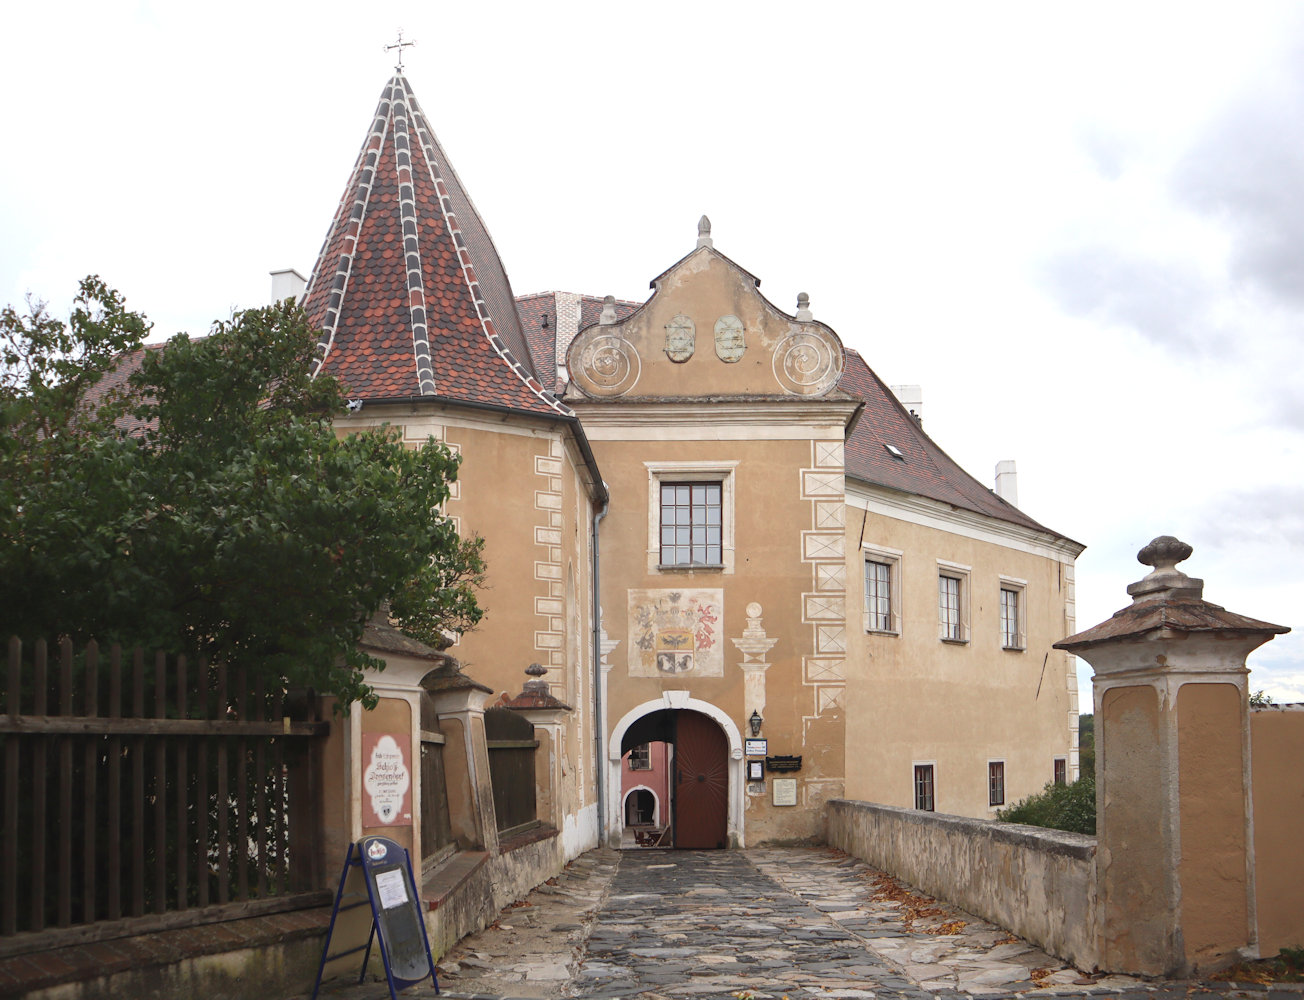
<point>755,722</point>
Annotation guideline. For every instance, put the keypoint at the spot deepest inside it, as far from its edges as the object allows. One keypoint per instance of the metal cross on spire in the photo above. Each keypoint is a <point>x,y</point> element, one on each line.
<point>400,45</point>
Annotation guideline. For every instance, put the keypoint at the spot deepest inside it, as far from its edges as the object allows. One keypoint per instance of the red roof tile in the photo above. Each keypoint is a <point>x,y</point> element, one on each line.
<point>543,322</point>
<point>408,290</point>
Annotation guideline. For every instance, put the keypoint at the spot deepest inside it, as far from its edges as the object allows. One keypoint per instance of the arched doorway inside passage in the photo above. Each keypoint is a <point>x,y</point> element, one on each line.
<point>708,787</point>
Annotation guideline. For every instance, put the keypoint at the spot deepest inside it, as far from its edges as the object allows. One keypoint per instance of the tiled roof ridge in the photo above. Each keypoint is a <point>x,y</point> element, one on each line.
<point>360,181</point>
<point>583,295</point>
<point>422,206</point>
<point>464,259</point>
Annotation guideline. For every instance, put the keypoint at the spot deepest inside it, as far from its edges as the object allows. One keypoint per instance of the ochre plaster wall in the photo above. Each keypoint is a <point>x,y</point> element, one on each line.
<point>520,488</point>
<point>770,513</point>
<point>912,698</point>
<point>1277,739</point>
<point>1212,820</point>
<point>1135,851</point>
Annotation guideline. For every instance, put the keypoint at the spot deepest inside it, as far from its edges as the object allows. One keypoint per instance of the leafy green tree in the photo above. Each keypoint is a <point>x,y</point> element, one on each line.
<point>1261,698</point>
<point>228,517</point>
<point>1058,807</point>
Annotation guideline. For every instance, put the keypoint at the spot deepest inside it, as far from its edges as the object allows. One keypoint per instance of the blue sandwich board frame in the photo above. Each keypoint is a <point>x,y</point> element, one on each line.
<point>397,926</point>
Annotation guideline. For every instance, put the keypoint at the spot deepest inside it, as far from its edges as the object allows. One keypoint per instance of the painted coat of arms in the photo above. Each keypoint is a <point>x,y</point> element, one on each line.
<point>675,632</point>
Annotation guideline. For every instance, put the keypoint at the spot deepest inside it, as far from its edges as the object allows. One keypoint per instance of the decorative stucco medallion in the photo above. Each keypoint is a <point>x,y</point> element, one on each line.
<point>608,365</point>
<point>681,338</point>
<point>807,362</point>
<point>730,342</point>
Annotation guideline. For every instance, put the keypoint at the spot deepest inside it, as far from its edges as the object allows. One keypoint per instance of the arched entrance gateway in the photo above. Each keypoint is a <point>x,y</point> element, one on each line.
<point>705,780</point>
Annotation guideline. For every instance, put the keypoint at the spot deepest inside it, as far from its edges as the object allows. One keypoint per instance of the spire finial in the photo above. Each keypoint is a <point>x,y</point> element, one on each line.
<point>704,232</point>
<point>803,308</point>
<point>400,45</point>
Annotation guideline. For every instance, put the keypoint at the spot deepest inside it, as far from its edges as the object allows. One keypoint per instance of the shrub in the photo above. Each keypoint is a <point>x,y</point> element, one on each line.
<point>1058,807</point>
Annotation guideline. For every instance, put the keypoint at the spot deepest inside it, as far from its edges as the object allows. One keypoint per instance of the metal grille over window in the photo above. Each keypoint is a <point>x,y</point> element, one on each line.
<point>878,596</point>
<point>640,759</point>
<point>690,524</point>
<point>948,607</point>
<point>924,787</point>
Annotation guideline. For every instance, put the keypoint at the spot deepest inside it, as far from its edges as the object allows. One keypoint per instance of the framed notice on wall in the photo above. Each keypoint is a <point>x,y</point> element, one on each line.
<point>386,781</point>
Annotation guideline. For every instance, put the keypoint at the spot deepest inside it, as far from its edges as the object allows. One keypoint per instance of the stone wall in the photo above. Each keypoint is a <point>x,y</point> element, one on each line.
<point>1037,883</point>
<point>278,955</point>
<point>1277,742</point>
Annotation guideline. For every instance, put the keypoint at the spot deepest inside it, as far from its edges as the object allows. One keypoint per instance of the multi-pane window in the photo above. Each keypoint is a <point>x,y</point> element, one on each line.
<point>1011,632</point>
<point>996,782</point>
<point>948,607</point>
<point>1061,771</point>
<point>640,758</point>
<point>878,596</point>
<point>690,524</point>
<point>924,787</point>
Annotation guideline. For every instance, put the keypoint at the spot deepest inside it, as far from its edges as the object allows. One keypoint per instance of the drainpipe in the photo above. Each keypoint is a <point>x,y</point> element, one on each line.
<point>599,721</point>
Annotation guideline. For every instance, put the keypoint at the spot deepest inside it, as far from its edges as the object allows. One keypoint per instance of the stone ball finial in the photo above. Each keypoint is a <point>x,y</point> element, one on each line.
<point>1164,552</point>
<point>536,670</point>
<point>803,308</point>
<point>704,232</point>
<point>608,316</point>
<point>1165,580</point>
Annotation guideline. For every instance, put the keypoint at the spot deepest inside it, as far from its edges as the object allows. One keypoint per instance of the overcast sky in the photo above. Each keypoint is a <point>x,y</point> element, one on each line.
<point>1079,228</point>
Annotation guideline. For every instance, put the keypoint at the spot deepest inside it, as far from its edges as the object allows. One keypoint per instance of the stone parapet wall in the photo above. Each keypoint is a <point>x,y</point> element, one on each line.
<point>1040,884</point>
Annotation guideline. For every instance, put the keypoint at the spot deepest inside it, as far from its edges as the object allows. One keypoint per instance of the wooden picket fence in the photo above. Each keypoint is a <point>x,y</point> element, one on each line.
<point>138,786</point>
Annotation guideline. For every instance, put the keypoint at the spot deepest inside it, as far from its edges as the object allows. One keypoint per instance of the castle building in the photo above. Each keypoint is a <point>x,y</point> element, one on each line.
<point>708,521</point>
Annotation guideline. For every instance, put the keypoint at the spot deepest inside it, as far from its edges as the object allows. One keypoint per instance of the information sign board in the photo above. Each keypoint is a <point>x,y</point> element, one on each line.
<point>397,926</point>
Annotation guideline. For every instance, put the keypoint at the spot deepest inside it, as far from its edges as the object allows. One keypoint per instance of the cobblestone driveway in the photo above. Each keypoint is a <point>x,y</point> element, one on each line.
<point>801,924</point>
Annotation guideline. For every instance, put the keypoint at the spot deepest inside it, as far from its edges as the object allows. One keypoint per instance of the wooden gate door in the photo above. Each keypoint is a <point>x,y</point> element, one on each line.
<point>701,782</point>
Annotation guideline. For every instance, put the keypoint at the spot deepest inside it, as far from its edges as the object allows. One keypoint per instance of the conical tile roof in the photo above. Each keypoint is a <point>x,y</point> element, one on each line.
<point>408,291</point>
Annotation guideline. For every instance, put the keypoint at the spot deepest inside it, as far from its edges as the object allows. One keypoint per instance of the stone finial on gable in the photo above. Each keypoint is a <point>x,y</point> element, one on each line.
<point>1165,580</point>
<point>608,311</point>
<point>803,308</point>
<point>704,233</point>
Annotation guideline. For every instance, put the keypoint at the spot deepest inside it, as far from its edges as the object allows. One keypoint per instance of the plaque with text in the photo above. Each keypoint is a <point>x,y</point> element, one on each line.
<point>784,791</point>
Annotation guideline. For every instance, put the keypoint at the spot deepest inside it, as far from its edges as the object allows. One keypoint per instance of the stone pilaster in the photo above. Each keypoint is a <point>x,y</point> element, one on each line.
<point>1174,865</point>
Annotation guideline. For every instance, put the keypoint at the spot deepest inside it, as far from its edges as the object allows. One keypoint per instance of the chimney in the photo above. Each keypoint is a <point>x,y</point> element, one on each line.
<point>286,284</point>
<point>1007,482</point>
<point>912,398</point>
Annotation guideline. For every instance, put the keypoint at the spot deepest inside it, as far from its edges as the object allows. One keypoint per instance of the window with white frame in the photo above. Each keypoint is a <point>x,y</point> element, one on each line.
<point>996,782</point>
<point>1060,770</point>
<point>690,516</point>
<point>952,602</point>
<point>882,590</point>
<point>1013,613</point>
<point>924,798</point>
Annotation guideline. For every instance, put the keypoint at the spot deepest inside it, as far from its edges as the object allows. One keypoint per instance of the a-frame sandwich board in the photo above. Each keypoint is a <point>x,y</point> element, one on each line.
<point>396,923</point>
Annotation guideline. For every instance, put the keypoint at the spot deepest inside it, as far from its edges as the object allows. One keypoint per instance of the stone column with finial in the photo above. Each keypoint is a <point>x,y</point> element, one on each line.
<point>754,644</point>
<point>548,716</point>
<point>1174,865</point>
